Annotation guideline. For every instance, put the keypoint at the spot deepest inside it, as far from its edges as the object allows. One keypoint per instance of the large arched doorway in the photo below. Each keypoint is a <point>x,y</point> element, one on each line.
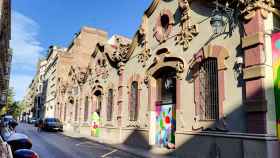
<point>165,106</point>
<point>98,101</point>
<point>95,118</point>
<point>164,77</point>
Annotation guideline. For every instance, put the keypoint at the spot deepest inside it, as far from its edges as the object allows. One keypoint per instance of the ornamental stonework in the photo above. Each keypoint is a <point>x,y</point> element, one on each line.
<point>251,6</point>
<point>143,42</point>
<point>164,25</point>
<point>188,31</point>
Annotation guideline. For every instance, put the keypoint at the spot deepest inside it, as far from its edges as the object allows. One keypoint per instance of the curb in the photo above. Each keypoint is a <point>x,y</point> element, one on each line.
<point>114,146</point>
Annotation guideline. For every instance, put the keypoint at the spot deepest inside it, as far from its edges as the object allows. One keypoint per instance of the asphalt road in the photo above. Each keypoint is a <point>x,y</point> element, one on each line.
<point>56,145</point>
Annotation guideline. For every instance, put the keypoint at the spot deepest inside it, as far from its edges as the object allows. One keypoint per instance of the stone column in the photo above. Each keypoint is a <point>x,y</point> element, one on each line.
<point>120,93</point>
<point>255,101</point>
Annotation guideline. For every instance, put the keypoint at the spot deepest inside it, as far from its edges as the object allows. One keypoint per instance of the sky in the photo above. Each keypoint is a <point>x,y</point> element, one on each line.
<point>37,24</point>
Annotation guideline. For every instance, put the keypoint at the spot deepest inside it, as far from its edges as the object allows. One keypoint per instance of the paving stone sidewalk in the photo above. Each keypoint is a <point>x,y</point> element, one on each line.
<point>135,151</point>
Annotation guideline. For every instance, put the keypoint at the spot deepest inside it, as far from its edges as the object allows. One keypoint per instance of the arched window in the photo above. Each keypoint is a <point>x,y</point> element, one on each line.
<point>166,86</point>
<point>110,105</point>
<point>209,92</point>
<point>65,108</point>
<point>133,101</point>
<point>98,101</point>
<point>86,109</point>
<point>76,110</point>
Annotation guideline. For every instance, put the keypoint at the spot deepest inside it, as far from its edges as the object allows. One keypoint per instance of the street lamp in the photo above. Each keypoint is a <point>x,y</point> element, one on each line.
<point>221,15</point>
<point>217,21</point>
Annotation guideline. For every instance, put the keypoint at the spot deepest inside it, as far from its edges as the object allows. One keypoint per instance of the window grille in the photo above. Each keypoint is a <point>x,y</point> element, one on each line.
<point>209,98</point>
<point>60,111</point>
<point>76,110</point>
<point>65,108</point>
<point>110,105</point>
<point>99,102</point>
<point>133,101</point>
<point>86,109</point>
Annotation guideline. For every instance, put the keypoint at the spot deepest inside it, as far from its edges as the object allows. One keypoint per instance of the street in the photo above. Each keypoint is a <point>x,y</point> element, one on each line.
<point>56,145</point>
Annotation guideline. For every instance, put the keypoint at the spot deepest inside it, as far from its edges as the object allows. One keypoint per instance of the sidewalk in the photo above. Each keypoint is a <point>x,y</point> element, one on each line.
<point>134,151</point>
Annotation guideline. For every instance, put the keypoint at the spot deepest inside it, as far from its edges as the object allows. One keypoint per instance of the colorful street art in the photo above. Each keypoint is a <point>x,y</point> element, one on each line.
<point>165,125</point>
<point>95,125</point>
<point>276,68</point>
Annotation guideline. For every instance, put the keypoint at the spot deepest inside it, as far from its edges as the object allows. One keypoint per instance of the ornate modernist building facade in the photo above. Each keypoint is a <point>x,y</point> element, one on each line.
<point>196,78</point>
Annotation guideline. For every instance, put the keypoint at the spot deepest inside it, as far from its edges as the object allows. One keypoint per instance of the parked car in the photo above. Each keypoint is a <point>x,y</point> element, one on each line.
<point>6,119</point>
<point>52,124</point>
<point>15,140</point>
<point>25,153</point>
<point>32,121</point>
<point>36,123</point>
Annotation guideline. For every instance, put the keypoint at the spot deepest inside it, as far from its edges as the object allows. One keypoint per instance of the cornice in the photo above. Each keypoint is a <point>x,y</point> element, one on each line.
<point>152,8</point>
<point>250,7</point>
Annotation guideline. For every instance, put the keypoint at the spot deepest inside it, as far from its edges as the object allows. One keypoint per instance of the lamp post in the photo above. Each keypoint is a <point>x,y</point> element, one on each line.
<point>221,15</point>
<point>217,21</point>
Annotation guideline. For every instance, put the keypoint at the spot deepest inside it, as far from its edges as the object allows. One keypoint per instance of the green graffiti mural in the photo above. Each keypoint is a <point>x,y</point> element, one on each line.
<point>275,40</point>
<point>95,125</point>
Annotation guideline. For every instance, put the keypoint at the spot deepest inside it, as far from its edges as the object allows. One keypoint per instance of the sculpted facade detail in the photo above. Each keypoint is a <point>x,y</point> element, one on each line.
<point>251,6</point>
<point>143,43</point>
<point>164,25</point>
<point>121,52</point>
<point>188,31</point>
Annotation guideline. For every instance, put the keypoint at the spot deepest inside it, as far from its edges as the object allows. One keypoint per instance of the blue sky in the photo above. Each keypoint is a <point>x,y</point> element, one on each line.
<point>37,24</point>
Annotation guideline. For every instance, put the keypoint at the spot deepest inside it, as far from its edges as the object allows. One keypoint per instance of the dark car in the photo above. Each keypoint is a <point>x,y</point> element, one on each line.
<point>15,140</point>
<point>25,153</point>
<point>36,123</point>
<point>52,124</point>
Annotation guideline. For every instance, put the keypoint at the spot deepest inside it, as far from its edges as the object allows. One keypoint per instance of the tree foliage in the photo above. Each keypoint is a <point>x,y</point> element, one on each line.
<point>12,107</point>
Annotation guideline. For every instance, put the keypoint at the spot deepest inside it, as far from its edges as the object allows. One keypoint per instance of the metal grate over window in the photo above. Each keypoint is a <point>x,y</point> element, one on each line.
<point>76,110</point>
<point>110,105</point>
<point>133,101</point>
<point>65,108</point>
<point>99,102</point>
<point>209,98</point>
<point>86,109</point>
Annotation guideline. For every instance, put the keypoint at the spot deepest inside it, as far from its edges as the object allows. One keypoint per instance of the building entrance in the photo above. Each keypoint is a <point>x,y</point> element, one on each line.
<point>166,108</point>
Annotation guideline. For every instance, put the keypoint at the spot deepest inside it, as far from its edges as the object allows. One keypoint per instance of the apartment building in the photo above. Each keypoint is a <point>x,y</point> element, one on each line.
<point>50,81</point>
<point>5,51</point>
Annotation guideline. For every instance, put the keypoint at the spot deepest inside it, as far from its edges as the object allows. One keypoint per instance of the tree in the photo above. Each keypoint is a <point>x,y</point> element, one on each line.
<point>10,101</point>
<point>12,107</point>
<point>16,109</point>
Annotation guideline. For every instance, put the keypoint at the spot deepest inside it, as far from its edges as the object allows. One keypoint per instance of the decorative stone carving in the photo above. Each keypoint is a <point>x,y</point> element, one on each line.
<point>251,6</point>
<point>188,31</point>
<point>179,69</point>
<point>144,56</point>
<point>81,76</point>
<point>76,74</point>
<point>63,89</point>
<point>142,40</point>
<point>147,79</point>
<point>142,35</point>
<point>101,68</point>
<point>164,24</point>
<point>163,59</point>
<point>121,54</point>
<point>120,67</point>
